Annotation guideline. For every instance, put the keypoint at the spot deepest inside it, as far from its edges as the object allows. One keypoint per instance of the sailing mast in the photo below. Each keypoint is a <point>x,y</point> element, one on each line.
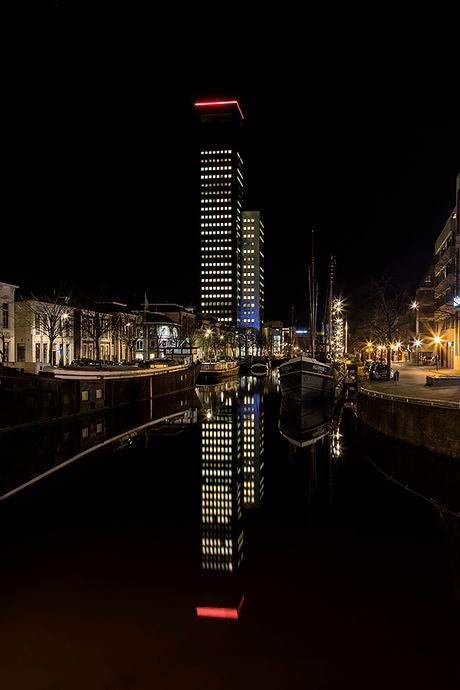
<point>331,296</point>
<point>313,290</point>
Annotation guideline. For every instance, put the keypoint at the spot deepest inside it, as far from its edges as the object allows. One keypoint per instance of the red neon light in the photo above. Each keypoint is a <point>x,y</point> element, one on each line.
<point>219,612</point>
<point>222,103</point>
<point>210,612</point>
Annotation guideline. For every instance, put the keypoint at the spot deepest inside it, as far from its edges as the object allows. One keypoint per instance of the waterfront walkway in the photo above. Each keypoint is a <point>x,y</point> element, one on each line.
<point>412,384</point>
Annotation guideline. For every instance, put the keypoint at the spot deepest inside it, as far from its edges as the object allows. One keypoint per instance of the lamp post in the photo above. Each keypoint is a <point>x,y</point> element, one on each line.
<point>417,344</point>
<point>437,341</point>
<point>369,349</point>
<point>415,306</point>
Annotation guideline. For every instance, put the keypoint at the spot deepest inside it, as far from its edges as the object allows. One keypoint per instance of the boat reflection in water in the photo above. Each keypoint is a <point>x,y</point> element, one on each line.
<point>32,452</point>
<point>303,424</point>
<point>313,432</point>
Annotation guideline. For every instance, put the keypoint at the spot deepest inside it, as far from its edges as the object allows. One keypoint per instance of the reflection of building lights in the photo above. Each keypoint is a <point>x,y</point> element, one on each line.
<point>335,443</point>
<point>222,536</point>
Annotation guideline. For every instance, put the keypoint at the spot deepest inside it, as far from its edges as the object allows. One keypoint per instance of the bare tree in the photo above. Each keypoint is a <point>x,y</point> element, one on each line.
<point>249,340</point>
<point>99,321</point>
<point>50,316</point>
<point>384,312</point>
<point>127,334</point>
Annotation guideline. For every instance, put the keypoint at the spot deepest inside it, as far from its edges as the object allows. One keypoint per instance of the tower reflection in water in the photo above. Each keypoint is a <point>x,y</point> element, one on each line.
<point>232,468</point>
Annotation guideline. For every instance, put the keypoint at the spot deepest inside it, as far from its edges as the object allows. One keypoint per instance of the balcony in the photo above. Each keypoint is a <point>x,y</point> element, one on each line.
<point>449,255</point>
<point>449,282</point>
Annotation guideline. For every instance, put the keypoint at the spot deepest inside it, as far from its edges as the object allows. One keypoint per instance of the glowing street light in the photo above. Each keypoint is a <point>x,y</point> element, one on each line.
<point>417,344</point>
<point>437,341</point>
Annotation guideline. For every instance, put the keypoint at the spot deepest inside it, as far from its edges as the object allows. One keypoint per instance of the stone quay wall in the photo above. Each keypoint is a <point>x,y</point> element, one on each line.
<point>432,426</point>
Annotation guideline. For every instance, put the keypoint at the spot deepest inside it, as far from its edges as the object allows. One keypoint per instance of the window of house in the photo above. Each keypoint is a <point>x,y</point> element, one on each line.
<point>21,349</point>
<point>5,313</point>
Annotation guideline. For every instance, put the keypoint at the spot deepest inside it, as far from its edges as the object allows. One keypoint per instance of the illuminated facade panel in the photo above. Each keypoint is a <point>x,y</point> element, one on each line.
<point>252,274</point>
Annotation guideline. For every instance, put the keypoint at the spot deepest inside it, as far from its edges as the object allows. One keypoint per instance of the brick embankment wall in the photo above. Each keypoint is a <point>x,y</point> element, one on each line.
<point>433,428</point>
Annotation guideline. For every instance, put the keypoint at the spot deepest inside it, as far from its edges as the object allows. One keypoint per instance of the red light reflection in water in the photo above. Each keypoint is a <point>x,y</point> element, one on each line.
<point>219,612</point>
<point>223,103</point>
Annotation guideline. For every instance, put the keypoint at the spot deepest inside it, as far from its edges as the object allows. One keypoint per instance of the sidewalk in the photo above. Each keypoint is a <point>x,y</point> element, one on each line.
<point>412,384</point>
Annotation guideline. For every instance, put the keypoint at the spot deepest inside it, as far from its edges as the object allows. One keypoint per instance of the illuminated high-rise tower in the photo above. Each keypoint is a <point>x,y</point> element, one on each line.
<point>221,199</point>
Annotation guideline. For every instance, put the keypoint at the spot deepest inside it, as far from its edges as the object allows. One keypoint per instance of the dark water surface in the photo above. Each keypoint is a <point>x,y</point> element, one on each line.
<point>347,577</point>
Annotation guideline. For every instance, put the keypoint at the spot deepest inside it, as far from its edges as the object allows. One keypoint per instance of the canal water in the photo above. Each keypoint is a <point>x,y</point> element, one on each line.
<point>243,544</point>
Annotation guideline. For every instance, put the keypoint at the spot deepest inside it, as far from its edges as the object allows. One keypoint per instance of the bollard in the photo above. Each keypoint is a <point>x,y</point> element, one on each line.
<point>396,376</point>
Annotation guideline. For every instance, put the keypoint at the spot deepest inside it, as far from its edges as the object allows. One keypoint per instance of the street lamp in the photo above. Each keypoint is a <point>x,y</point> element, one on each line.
<point>415,305</point>
<point>437,341</point>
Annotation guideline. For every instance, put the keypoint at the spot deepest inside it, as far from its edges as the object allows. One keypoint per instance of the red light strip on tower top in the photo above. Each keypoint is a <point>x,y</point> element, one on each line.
<point>222,103</point>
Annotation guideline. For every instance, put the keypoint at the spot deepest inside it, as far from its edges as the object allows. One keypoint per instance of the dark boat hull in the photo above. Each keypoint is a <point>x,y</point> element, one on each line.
<point>218,372</point>
<point>305,379</point>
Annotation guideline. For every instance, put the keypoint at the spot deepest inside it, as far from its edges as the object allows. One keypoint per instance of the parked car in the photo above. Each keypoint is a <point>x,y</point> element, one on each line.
<point>367,365</point>
<point>380,372</point>
<point>429,360</point>
<point>85,363</point>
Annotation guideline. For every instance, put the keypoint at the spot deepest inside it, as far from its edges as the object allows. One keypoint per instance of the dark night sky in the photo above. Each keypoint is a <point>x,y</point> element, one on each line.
<point>352,132</point>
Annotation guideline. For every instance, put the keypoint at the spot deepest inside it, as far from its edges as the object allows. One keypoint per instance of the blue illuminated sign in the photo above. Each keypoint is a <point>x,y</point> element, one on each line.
<point>457,301</point>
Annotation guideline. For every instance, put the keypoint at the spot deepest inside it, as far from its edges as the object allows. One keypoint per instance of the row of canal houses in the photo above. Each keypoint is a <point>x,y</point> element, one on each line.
<point>38,332</point>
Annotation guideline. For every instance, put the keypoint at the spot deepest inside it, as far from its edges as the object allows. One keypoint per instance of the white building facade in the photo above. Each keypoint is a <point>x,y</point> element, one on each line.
<point>7,322</point>
<point>44,334</point>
